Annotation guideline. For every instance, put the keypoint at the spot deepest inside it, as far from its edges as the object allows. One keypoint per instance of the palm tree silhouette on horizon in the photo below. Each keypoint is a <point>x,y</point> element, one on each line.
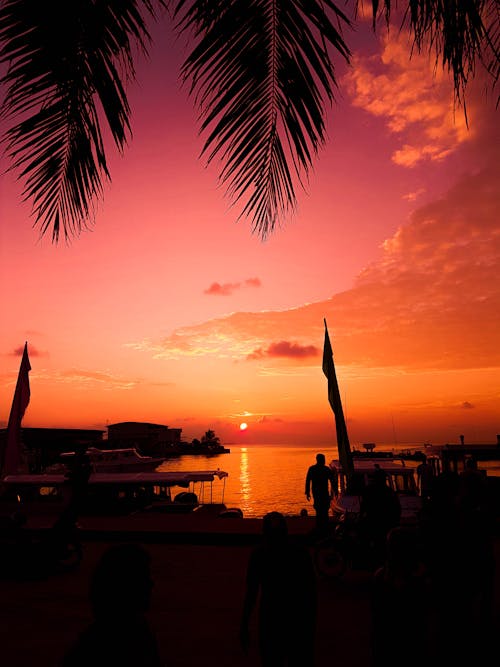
<point>261,73</point>
<point>210,439</point>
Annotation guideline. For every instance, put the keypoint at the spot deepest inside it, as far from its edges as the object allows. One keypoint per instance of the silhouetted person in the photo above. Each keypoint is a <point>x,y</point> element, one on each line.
<point>120,592</point>
<point>323,483</point>
<point>399,604</point>
<point>459,554</point>
<point>77,479</point>
<point>477,526</point>
<point>14,546</point>
<point>281,575</point>
<point>62,544</point>
<point>425,475</point>
<point>380,511</point>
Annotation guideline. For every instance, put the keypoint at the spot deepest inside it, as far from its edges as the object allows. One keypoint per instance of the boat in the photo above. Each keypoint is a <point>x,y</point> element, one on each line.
<point>401,478</point>
<point>126,459</point>
<point>114,493</point>
<point>404,454</point>
<point>202,448</point>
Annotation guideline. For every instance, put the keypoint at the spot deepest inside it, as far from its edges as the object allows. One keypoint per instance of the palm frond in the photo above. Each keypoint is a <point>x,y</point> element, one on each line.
<point>68,63</point>
<point>459,32</point>
<point>261,72</point>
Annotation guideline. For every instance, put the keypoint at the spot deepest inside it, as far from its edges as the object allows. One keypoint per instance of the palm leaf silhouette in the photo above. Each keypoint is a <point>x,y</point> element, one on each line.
<point>459,32</point>
<point>260,72</point>
<point>68,61</point>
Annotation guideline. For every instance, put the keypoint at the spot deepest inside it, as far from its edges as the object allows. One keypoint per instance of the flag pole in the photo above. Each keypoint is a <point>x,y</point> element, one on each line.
<point>344,448</point>
<point>11,459</point>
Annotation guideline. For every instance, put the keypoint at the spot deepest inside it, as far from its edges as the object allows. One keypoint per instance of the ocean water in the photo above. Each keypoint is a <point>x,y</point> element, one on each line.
<point>263,478</point>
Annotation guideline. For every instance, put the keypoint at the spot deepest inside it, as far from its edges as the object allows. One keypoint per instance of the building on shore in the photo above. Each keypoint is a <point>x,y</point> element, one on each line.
<point>149,439</point>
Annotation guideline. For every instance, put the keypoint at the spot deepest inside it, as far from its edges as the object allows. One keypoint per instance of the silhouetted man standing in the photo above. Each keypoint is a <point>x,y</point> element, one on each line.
<point>281,576</point>
<point>321,480</point>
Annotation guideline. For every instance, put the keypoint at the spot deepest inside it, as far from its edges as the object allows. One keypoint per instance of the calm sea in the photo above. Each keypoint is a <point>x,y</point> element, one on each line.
<point>262,478</point>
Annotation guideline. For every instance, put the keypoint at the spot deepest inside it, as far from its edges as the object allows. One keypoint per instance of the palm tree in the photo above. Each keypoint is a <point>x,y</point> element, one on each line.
<point>210,439</point>
<point>261,73</point>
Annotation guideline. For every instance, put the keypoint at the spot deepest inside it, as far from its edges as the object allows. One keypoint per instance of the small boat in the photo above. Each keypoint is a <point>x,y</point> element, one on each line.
<point>114,493</point>
<point>357,453</point>
<point>127,459</point>
<point>399,477</point>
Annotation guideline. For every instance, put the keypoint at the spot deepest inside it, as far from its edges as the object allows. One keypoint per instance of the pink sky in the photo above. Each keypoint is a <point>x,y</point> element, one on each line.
<point>168,311</point>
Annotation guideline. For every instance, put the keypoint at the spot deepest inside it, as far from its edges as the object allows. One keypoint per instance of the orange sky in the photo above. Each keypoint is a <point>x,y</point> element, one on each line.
<point>168,311</point>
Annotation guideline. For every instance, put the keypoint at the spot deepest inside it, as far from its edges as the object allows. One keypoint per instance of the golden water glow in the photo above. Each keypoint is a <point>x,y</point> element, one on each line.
<point>244,479</point>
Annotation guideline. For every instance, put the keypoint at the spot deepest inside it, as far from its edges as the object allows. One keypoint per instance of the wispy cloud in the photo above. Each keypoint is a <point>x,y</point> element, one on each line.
<point>226,289</point>
<point>413,196</point>
<point>414,98</point>
<point>80,378</point>
<point>88,379</point>
<point>270,420</point>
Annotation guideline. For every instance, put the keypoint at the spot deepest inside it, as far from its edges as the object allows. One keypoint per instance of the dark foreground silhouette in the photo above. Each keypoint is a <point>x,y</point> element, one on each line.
<point>400,604</point>
<point>322,481</point>
<point>281,575</point>
<point>119,634</point>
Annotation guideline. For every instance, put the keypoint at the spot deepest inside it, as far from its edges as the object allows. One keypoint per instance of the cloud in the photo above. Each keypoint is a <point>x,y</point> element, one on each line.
<point>226,289</point>
<point>415,99</point>
<point>88,379</point>
<point>413,196</point>
<point>32,352</point>
<point>270,420</point>
<point>285,349</point>
<point>467,406</point>
<point>253,282</point>
<point>222,290</point>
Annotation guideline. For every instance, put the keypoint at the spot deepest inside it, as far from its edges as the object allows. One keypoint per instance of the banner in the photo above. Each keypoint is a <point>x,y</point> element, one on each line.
<point>19,404</point>
<point>344,448</point>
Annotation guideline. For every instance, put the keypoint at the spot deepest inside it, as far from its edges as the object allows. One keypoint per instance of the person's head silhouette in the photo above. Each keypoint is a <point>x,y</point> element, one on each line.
<point>274,528</point>
<point>121,584</point>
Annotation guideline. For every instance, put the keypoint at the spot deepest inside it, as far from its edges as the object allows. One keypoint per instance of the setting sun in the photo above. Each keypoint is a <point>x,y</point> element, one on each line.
<point>243,426</point>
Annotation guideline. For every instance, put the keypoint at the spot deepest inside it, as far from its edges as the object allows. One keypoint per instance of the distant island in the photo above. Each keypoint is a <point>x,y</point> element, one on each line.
<point>208,444</point>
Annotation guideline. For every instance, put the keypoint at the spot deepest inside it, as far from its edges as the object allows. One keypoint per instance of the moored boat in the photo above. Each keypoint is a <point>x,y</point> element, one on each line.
<point>126,459</point>
<point>113,493</point>
<point>399,477</point>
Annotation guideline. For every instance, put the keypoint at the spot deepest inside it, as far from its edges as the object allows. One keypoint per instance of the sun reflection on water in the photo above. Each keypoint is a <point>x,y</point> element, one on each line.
<point>245,485</point>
